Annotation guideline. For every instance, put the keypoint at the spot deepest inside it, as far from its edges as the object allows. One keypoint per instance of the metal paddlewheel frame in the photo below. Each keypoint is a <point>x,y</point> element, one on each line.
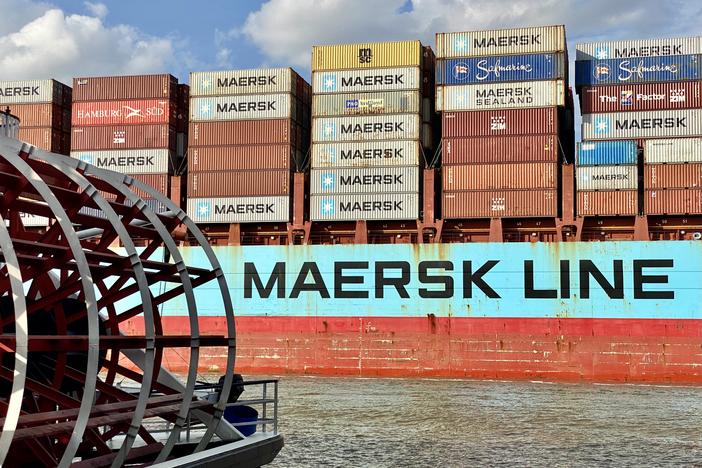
<point>107,257</point>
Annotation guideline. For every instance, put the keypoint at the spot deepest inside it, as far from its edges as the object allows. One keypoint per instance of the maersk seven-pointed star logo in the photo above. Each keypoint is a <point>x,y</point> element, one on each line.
<point>328,181</point>
<point>602,125</point>
<point>203,209</point>
<point>206,83</point>
<point>86,158</point>
<point>205,109</point>
<point>329,82</point>
<point>329,130</point>
<point>460,44</point>
<point>601,52</point>
<point>327,207</point>
<point>331,154</point>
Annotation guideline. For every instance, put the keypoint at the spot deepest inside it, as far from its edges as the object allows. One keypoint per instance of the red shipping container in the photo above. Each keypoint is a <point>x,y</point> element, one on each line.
<point>238,183</point>
<point>532,148</point>
<point>608,203</point>
<point>537,121</point>
<point>673,201</point>
<point>123,137</point>
<point>660,176</point>
<point>41,115</point>
<point>125,87</point>
<point>500,176</point>
<point>134,112</point>
<point>161,182</point>
<point>47,138</point>
<point>245,132</point>
<point>226,158</point>
<point>640,97</point>
<point>500,204</point>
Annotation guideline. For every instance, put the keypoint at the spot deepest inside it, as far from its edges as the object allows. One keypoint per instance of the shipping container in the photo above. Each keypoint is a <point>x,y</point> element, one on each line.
<point>41,115</point>
<point>365,180</point>
<point>238,183</point>
<point>229,158</point>
<point>255,81</point>
<point>33,92</point>
<point>500,176</point>
<point>364,128</point>
<point>597,153</point>
<point>367,80</point>
<point>638,70</point>
<point>244,107</point>
<point>533,40</point>
<point>140,161</point>
<point>154,205</point>
<point>239,209</point>
<point>500,204</point>
<point>639,97</point>
<point>30,220</point>
<point>127,112</point>
<point>123,137</point>
<point>645,124</point>
<point>114,88</point>
<point>367,55</point>
<point>501,69</point>
<point>160,182</point>
<point>673,150</point>
<point>244,132</point>
<point>366,154</point>
<point>537,121</point>
<point>376,206</point>
<point>527,148</point>
<point>673,176</point>
<point>606,178</point>
<point>393,102</point>
<point>46,138</point>
<point>663,46</point>
<point>673,201</point>
<point>500,96</point>
<point>608,203</point>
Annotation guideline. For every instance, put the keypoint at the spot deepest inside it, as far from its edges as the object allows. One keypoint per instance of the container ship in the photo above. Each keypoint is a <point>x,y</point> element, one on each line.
<point>426,211</point>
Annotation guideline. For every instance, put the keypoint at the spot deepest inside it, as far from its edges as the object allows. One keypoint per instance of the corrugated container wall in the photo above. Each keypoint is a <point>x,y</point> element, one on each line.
<point>639,97</point>
<point>638,70</point>
<point>502,203</point>
<point>112,88</point>
<point>355,81</point>
<point>380,206</point>
<point>256,81</point>
<point>364,180</point>
<point>127,112</point>
<point>244,132</point>
<point>367,55</point>
<point>500,96</point>
<point>231,158</point>
<point>500,176</point>
<point>672,176</point>
<point>673,201</point>
<point>597,153</point>
<point>608,203</point>
<point>394,102</point>
<point>673,150</point>
<point>501,69</point>
<point>366,154</point>
<point>530,40</point>
<point>645,124</point>
<point>243,107</point>
<point>606,178</point>
<point>500,122</point>
<point>527,148</point>
<point>238,183</point>
<point>140,161</point>
<point>239,209</point>
<point>123,137</point>
<point>639,48</point>
<point>34,91</point>
<point>364,128</point>
<point>41,115</point>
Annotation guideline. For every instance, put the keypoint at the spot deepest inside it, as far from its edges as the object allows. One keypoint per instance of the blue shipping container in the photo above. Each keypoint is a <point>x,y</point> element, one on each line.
<point>530,67</point>
<point>595,153</point>
<point>637,70</point>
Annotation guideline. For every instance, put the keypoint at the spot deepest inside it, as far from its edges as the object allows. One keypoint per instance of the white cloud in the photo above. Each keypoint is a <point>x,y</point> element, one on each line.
<point>46,42</point>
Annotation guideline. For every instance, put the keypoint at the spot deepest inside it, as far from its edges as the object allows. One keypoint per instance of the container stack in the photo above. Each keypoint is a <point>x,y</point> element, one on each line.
<point>371,126</point>
<point>44,110</point>
<point>129,124</point>
<point>248,131</point>
<point>647,91</point>
<point>505,122</point>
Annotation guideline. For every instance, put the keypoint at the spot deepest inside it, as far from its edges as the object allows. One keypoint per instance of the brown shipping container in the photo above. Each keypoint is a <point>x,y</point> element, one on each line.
<point>500,176</point>
<point>124,87</point>
<point>673,201</point>
<point>183,110</point>
<point>608,203</point>
<point>238,183</point>
<point>639,97</point>
<point>123,137</point>
<point>500,204</point>
<point>537,121</point>
<point>661,176</point>
<point>530,148</point>
<point>225,158</point>
<point>161,182</point>
<point>41,115</point>
<point>245,132</point>
<point>47,138</point>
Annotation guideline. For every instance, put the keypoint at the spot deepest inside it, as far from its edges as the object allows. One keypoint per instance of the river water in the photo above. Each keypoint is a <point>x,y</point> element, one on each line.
<point>447,423</point>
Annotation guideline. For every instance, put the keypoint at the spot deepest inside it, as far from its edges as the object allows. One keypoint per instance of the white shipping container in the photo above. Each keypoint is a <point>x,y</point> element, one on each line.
<point>645,124</point>
<point>365,180</point>
<point>606,178</point>
<point>30,91</point>
<point>366,154</point>
<point>535,40</point>
<point>366,80</point>
<point>639,48</point>
<point>392,102</point>
<point>30,220</point>
<point>366,128</point>
<point>141,161</point>
<point>673,150</point>
<point>245,107</point>
<point>500,96</point>
<point>256,81</point>
<point>239,209</point>
<point>391,206</point>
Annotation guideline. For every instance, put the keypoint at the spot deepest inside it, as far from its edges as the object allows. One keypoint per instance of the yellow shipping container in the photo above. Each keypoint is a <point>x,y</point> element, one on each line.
<point>367,55</point>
